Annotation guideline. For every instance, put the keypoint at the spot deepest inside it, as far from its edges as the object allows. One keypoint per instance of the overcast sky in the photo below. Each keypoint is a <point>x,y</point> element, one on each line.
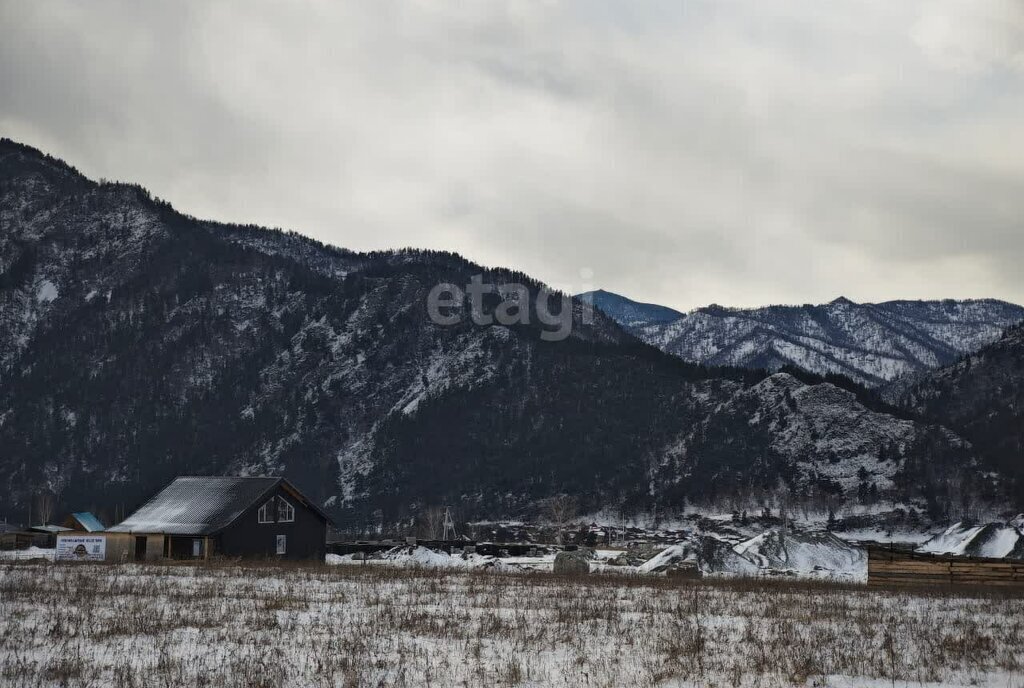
<point>735,152</point>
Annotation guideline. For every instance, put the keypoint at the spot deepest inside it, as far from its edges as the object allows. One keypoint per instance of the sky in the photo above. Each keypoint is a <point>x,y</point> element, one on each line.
<point>739,152</point>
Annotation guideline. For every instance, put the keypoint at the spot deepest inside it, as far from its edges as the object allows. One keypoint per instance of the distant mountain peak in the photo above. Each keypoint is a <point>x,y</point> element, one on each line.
<point>628,312</point>
<point>871,343</point>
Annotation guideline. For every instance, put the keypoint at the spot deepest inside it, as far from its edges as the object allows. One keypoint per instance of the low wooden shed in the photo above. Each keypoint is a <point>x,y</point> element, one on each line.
<point>14,537</point>
<point>45,536</point>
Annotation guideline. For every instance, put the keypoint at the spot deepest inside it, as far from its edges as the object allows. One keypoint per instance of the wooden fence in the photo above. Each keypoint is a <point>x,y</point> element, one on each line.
<point>901,567</point>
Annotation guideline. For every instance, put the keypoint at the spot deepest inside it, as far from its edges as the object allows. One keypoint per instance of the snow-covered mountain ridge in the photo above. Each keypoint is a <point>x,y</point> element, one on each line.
<point>870,343</point>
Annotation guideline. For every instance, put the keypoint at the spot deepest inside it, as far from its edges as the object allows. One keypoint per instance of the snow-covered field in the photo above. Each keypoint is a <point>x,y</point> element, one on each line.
<point>263,626</point>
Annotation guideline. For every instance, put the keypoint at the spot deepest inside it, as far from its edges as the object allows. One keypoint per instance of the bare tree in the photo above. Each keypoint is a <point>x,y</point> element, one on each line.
<point>46,502</point>
<point>559,510</point>
<point>431,522</point>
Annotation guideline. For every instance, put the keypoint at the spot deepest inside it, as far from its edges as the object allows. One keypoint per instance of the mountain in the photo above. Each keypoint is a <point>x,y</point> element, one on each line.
<point>982,396</point>
<point>822,440</point>
<point>139,344</point>
<point>869,343</point>
<point>628,313</point>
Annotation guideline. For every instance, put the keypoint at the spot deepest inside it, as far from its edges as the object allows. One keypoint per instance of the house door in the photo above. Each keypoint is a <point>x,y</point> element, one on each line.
<point>140,549</point>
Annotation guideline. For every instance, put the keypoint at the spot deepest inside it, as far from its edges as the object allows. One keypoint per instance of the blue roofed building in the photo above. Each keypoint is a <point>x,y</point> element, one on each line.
<point>83,521</point>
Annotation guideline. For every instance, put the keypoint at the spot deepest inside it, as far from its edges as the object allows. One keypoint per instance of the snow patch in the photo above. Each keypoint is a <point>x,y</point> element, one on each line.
<point>46,292</point>
<point>26,554</point>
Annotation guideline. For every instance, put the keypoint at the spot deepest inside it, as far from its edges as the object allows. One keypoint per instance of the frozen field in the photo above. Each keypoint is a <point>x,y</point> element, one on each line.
<point>386,626</point>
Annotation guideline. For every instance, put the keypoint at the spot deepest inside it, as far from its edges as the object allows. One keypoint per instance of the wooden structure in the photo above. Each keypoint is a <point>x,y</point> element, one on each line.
<point>83,522</point>
<point>126,547</point>
<point>888,566</point>
<point>200,517</point>
<point>13,537</point>
<point>45,536</point>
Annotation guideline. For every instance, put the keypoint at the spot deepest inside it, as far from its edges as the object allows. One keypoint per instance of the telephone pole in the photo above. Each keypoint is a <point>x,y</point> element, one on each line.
<point>449,525</point>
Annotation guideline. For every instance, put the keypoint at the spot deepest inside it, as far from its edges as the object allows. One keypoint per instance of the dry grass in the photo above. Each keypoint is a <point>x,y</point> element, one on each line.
<point>255,626</point>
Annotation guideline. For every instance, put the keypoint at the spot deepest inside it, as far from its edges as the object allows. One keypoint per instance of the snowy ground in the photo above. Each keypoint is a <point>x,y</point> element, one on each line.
<point>218,625</point>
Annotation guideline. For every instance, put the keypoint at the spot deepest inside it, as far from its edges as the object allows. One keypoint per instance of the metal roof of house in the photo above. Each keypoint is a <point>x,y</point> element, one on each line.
<point>88,521</point>
<point>196,505</point>
<point>48,528</point>
<point>200,505</point>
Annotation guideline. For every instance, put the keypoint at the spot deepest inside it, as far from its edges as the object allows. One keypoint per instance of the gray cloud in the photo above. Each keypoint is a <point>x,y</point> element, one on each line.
<point>736,152</point>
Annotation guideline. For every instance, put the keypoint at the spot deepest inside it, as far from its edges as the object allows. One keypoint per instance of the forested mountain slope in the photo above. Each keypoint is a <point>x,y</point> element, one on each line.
<point>982,396</point>
<point>140,344</point>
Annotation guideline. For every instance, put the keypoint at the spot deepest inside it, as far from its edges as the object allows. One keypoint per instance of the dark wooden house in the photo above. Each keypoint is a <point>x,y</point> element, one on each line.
<point>200,517</point>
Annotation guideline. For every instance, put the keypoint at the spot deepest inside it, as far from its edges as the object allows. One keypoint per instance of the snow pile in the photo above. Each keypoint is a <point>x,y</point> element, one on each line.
<point>994,540</point>
<point>718,556</point>
<point>25,554</point>
<point>804,554</point>
<point>668,558</point>
<point>420,557</point>
<point>811,555</point>
<point>997,542</point>
<point>339,559</point>
<point>954,540</point>
<point>424,557</point>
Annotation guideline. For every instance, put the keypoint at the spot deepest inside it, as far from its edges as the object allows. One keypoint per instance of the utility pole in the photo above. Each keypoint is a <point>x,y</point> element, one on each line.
<point>449,525</point>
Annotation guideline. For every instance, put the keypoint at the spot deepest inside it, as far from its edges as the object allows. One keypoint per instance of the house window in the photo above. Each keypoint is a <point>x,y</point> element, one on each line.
<point>197,547</point>
<point>285,511</point>
<point>282,544</point>
<point>266,512</point>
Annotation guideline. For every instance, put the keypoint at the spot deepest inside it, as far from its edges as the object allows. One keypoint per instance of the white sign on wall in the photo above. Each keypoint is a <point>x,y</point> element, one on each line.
<point>81,548</point>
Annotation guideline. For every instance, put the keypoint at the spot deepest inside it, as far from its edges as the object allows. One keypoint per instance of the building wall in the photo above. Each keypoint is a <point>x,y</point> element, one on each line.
<point>121,546</point>
<point>184,546</point>
<point>306,537</point>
